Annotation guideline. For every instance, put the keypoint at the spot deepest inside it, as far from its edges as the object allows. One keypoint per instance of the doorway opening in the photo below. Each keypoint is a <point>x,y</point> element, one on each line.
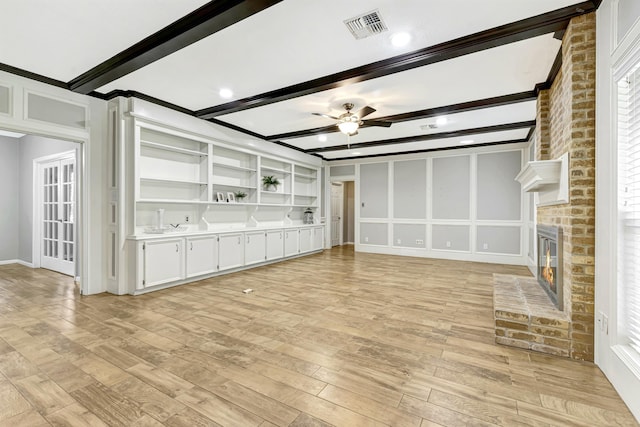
<point>44,178</point>
<point>342,213</point>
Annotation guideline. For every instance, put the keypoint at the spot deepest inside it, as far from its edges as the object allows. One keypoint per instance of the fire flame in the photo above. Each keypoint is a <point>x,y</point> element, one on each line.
<point>547,271</point>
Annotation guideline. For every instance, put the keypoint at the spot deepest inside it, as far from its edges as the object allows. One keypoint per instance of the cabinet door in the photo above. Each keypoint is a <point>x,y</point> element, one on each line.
<point>202,255</point>
<point>230,251</point>
<point>275,244</point>
<point>254,247</point>
<point>291,242</point>
<point>163,261</point>
<point>305,240</point>
<point>318,238</point>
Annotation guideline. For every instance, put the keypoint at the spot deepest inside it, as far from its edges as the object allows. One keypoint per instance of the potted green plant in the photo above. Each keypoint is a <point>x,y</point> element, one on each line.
<point>270,183</point>
<point>240,195</point>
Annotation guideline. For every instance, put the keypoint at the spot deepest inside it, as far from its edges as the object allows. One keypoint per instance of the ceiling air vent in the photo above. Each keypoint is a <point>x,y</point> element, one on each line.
<point>429,126</point>
<point>365,25</point>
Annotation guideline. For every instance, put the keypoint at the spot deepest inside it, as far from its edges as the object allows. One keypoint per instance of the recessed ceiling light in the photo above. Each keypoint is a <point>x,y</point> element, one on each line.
<point>322,138</point>
<point>400,39</point>
<point>441,121</point>
<point>251,144</point>
<point>225,93</point>
<point>356,153</point>
<point>466,141</point>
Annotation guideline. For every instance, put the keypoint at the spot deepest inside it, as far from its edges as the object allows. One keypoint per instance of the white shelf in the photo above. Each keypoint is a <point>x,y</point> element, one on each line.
<point>174,201</point>
<point>219,184</point>
<point>305,176</point>
<point>234,204</point>
<point>173,149</point>
<point>270,169</point>
<point>173,180</point>
<point>238,168</point>
<point>548,178</point>
<point>276,193</point>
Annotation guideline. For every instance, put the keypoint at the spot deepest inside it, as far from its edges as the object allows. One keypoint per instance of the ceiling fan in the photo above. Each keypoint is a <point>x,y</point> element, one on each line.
<point>349,122</point>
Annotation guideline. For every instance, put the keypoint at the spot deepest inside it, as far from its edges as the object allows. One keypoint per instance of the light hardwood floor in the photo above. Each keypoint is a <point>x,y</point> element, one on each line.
<point>331,339</point>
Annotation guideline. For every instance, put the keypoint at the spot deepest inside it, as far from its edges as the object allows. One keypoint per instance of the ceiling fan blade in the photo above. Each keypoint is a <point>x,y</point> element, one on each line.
<point>325,116</point>
<point>378,123</point>
<point>365,111</point>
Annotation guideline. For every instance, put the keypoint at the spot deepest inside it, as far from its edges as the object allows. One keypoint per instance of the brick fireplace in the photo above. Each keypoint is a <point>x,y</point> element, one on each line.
<point>565,125</point>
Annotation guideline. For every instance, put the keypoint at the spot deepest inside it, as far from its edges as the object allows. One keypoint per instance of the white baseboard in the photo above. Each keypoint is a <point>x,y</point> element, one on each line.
<point>16,261</point>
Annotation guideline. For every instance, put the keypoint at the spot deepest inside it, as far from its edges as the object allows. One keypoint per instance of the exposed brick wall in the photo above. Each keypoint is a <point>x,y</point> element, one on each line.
<point>569,127</point>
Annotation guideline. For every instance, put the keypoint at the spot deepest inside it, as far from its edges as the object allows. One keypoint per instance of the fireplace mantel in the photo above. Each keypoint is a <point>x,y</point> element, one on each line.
<point>548,178</point>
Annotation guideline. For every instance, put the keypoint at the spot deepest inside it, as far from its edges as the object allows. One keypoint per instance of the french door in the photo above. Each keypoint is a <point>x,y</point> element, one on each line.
<point>57,228</point>
<point>337,206</point>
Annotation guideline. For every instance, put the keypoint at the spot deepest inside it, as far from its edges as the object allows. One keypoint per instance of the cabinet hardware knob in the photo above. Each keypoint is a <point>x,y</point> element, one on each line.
<point>177,247</point>
<point>191,245</point>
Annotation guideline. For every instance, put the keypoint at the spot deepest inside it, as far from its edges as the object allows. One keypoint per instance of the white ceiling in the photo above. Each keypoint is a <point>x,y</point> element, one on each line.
<point>291,43</point>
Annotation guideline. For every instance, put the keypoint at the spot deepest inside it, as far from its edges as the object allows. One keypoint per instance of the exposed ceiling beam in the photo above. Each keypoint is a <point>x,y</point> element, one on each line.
<point>208,19</point>
<point>531,27</point>
<point>33,76</point>
<point>429,137</point>
<point>462,107</point>
<point>429,150</point>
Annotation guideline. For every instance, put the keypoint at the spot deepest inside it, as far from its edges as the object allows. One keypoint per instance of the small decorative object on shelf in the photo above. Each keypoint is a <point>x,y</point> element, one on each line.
<point>231,198</point>
<point>220,197</point>
<point>307,216</point>
<point>240,195</point>
<point>270,183</point>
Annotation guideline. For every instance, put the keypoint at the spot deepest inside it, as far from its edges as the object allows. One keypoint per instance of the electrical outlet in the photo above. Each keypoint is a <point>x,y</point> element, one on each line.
<point>186,218</point>
<point>485,246</point>
<point>398,241</point>
<point>419,242</point>
<point>366,240</point>
<point>448,244</point>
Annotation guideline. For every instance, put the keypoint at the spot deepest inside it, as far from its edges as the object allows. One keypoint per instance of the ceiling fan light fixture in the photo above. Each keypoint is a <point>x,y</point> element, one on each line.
<point>322,138</point>
<point>441,121</point>
<point>348,127</point>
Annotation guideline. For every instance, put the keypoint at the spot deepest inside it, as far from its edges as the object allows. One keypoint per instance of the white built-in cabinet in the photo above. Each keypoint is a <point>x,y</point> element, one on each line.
<point>169,260</point>
<point>207,190</point>
<point>317,238</point>
<point>306,235</point>
<point>291,242</point>
<point>162,261</point>
<point>275,244</point>
<point>255,247</point>
<point>231,251</point>
<point>202,255</point>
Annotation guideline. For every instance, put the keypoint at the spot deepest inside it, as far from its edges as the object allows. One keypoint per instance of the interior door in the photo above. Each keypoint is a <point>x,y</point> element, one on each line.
<point>57,233</point>
<point>337,206</point>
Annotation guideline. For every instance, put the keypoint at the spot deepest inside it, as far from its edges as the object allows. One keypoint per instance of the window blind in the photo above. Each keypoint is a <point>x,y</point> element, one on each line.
<point>629,210</point>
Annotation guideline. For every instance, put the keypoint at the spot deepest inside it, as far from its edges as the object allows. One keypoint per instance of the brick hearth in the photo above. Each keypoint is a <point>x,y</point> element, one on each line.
<point>526,318</point>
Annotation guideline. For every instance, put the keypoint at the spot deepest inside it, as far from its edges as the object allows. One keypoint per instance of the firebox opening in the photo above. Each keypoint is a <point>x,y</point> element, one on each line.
<point>550,262</point>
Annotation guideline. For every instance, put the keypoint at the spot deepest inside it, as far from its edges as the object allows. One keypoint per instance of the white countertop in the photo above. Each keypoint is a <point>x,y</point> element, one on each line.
<point>195,232</point>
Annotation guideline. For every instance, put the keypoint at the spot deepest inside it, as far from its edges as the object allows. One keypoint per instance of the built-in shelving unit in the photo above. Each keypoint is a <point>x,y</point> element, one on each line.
<point>281,170</point>
<point>305,186</point>
<point>199,179</point>
<point>171,168</point>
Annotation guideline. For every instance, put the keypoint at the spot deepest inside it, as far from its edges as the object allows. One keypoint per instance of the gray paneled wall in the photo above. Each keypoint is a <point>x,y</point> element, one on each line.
<point>374,234</point>
<point>409,184</point>
<point>459,204</point>
<point>498,239</point>
<point>498,192</point>
<point>450,237</point>
<point>374,190</point>
<point>410,235</point>
<point>451,189</point>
